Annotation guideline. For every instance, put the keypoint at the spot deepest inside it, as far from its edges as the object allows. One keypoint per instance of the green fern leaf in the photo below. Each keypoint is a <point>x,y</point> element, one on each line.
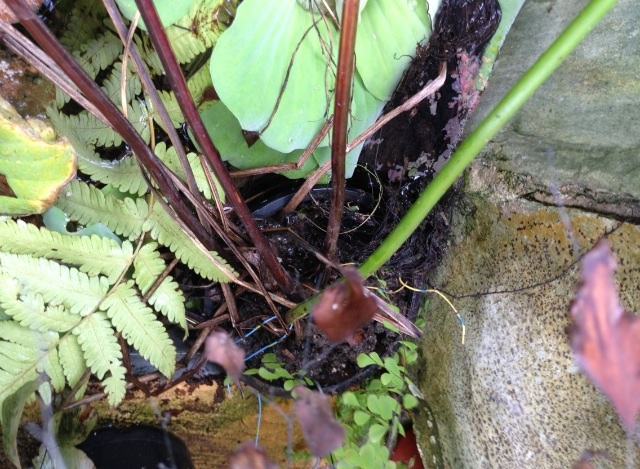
<point>111,85</point>
<point>170,158</point>
<point>87,205</point>
<point>95,132</point>
<point>197,85</point>
<point>102,353</point>
<point>93,254</point>
<point>71,359</point>
<point>167,232</point>
<point>29,311</point>
<point>140,328</point>
<point>82,22</point>
<point>50,364</point>
<point>99,54</point>
<point>167,299</point>
<point>58,284</point>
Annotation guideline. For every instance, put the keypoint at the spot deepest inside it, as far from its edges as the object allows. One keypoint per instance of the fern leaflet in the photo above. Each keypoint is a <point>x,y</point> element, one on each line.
<point>88,205</point>
<point>58,284</point>
<point>95,255</point>
<point>140,328</point>
<point>71,359</point>
<point>167,299</point>
<point>102,354</point>
<point>167,232</point>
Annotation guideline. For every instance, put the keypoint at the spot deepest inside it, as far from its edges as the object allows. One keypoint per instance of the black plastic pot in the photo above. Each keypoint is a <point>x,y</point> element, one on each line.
<point>136,447</point>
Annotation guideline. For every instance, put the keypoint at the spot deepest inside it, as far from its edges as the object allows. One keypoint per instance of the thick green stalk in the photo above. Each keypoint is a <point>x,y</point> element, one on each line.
<point>469,149</point>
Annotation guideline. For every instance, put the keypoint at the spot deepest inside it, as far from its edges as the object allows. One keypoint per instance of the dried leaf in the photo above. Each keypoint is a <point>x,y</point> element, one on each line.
<point>250,456</point>
<point>344,307</point>
<point>321,431</point>
<point>221,349</point>
<point>605,339</point>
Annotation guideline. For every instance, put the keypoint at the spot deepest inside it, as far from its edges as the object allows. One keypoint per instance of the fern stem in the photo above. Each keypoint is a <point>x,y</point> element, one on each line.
<point>179,86</point>
<point>50,44</point>
<point>344,79</point>
<point>158,105</point>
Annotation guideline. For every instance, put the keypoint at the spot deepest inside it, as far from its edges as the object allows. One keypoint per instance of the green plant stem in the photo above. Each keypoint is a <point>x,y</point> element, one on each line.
<point>344,80</point>
<point>179,86</point>
<point>469,149</point>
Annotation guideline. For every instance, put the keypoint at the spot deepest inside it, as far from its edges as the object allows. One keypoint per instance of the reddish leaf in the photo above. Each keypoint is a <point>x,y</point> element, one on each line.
<point>250,456</point>
<point>321,431</point>
<point>344,307</point>
<point>605,339</point>
<point>221,349</point>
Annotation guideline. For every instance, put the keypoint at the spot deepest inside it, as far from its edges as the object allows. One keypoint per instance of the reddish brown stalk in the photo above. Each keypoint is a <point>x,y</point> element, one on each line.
<point>50,44</point>
<point>344,79</point>
<point>179,86</point>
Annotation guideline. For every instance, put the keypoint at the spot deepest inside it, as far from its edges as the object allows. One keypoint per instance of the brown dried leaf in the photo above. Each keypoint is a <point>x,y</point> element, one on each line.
<point>344,307</point>
<point>321,431</point>
<point>221,349</point>
<point>250,456</point>
<point>605,339</point>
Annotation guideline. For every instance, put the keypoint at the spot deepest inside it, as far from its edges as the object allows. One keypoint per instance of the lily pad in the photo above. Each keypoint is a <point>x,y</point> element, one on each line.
<point>33,169</point>
<point>169,11</point>
<point>249,66</point>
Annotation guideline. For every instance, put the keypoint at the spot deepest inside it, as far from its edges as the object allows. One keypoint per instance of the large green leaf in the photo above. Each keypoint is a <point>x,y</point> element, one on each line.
<point>249,70</point>
<point>386,40</point>
<point>169,11</point>
<point>32,169</point>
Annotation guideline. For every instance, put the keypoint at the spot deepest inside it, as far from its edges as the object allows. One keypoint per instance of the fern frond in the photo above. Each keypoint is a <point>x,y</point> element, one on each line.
<point>50,364</point>
<point>87,205</point>
<point>99,54</point>
<point>167,299</point>
<point>71,359</point>
<point>82,22</point>
<point>111,84</point>
<point>140,328</point>
<point>58,284</point>
<point>29,311</point>
<point>92,254</point>
<point>95,132</point>
<point>102,353</point>
<point>167,232</point>
<point>197,85</point>
<point>170,157</point>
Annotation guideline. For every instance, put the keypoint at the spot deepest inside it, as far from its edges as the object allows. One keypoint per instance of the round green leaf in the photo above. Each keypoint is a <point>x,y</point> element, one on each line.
<point>360,417</point>
<point>169,11</point>
<point>409,401</point>
<point>249,69</point>
<point>377,432</point>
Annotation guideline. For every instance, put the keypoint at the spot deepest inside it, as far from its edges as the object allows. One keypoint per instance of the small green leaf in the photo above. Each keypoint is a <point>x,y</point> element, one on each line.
<point>392,366</point>
<point>360,417</point>
<point>390,326</point>
<point>377,432</point>
<point>409,401</point>
<point>388,407</point>
<point>266,374</point>
<point>350,399</point>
